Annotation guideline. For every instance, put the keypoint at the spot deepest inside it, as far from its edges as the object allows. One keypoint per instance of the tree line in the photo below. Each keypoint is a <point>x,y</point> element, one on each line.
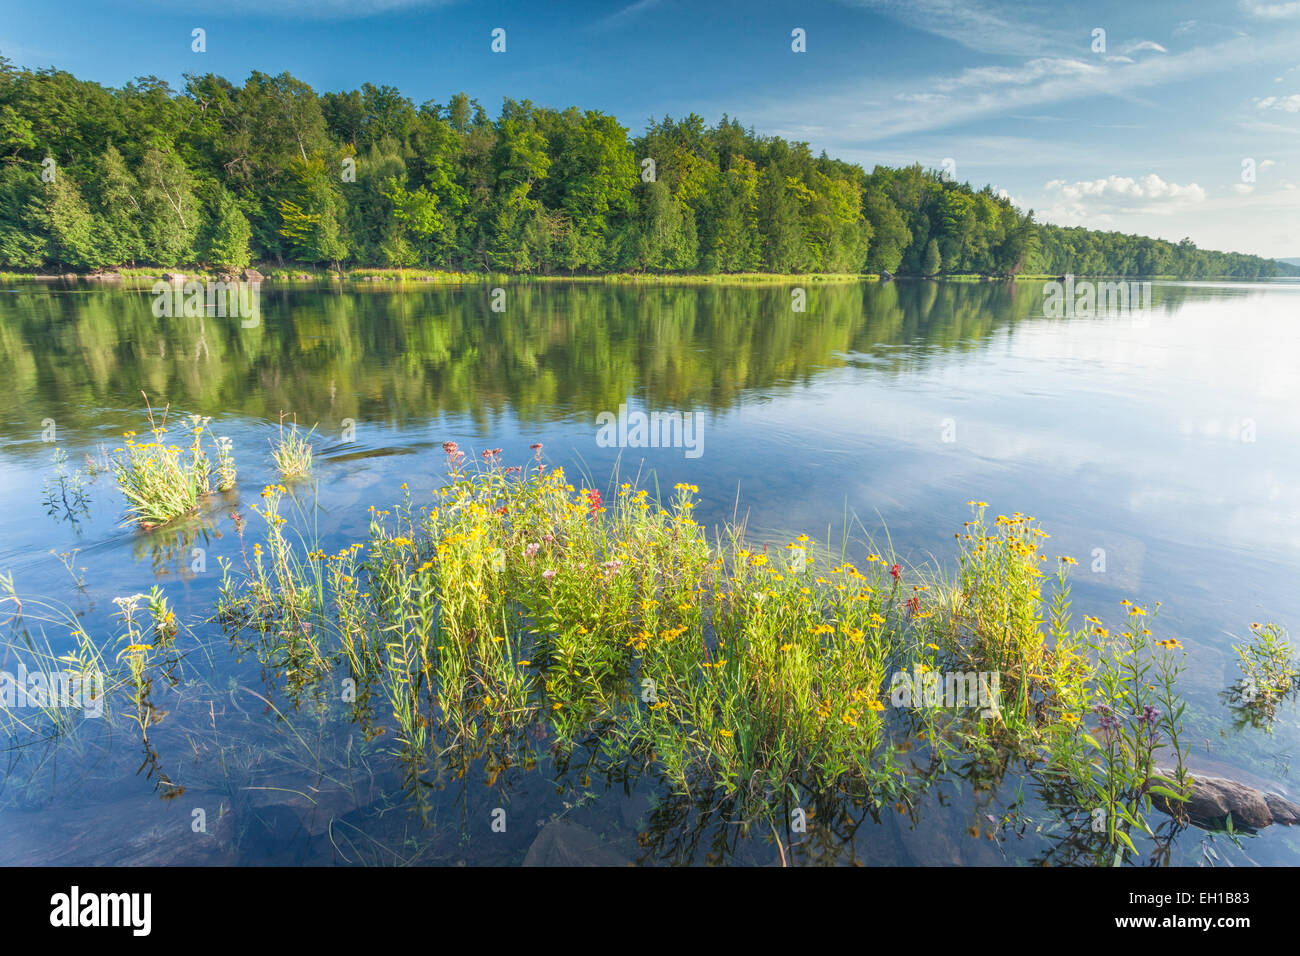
<point>223,175</point>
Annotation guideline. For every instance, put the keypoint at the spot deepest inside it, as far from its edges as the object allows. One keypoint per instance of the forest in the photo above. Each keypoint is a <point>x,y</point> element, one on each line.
<point>221,176</point>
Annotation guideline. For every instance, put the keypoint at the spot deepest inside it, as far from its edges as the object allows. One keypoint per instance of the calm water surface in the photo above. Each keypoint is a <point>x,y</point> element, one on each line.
<point>1161,449</point>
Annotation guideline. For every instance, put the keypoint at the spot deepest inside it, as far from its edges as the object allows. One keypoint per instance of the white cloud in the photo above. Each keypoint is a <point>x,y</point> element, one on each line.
<point>1264,222</point>
<point>1098,200</point>
<point>1145,45</point>
<point>927,99</point>
<point>1149,186</point>
<point>1288,104</point>
<point>1272,11</point>
<point>1003,194</point>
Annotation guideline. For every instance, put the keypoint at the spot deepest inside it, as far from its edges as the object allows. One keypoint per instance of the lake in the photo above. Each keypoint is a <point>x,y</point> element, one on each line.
<point>1159,447</point>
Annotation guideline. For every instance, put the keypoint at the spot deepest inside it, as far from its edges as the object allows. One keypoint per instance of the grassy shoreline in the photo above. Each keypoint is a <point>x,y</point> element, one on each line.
<point>284,274</point>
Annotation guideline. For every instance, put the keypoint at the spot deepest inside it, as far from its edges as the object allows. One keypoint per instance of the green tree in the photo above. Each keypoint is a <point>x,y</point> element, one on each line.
<point>931,262</point>
<point>663,234</point>
<point>732,240</point>
<point>72,227</point>
<point>227,232</point>
<point>169,209</point>
<point>784,249</point>
<point>112,192</point>
<point>310,221</point>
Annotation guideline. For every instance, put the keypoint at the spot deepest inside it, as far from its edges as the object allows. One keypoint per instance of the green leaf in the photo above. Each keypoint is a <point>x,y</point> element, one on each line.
<point>1127,842</point>
<point>1166,792</point>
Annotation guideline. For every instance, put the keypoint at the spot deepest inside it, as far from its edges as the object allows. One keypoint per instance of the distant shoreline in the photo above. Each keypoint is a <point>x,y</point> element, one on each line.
<point>290,276</point>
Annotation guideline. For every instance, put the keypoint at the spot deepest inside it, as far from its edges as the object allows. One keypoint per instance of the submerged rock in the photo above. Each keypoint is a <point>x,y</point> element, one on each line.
<point>1213,798</point>
<point>158,834</point>
<point>562,843</point>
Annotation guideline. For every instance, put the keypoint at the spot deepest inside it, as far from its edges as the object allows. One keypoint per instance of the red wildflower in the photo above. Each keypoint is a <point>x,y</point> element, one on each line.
<point>895,570</point>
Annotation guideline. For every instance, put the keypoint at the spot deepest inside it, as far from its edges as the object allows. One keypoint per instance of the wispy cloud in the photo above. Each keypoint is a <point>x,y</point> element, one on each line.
<point>863,113</point>
<point>1143,46</point>
<point>985,27</point>
<point>627,13</point>
<point>319,9</point>
<point>1025,74</point>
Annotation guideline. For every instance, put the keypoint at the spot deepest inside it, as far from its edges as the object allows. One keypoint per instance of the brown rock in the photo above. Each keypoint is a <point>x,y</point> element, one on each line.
<point>1283,810</point>
<point>1213,798</point>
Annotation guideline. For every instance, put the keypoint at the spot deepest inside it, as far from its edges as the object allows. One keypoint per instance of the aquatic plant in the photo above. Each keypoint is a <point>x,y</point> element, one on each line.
<point>293,452</point>
<point>75,678</point>
<point>516,597</point>
<point>162,482</point>
<point>226,471</point>
<point>66,497</point>
<point>1125,750</point>
<point>1268,663</point>
<point>1270,672</point>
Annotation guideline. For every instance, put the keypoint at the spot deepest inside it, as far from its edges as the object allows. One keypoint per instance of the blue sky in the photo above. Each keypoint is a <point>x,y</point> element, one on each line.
<point>1148,136</point>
